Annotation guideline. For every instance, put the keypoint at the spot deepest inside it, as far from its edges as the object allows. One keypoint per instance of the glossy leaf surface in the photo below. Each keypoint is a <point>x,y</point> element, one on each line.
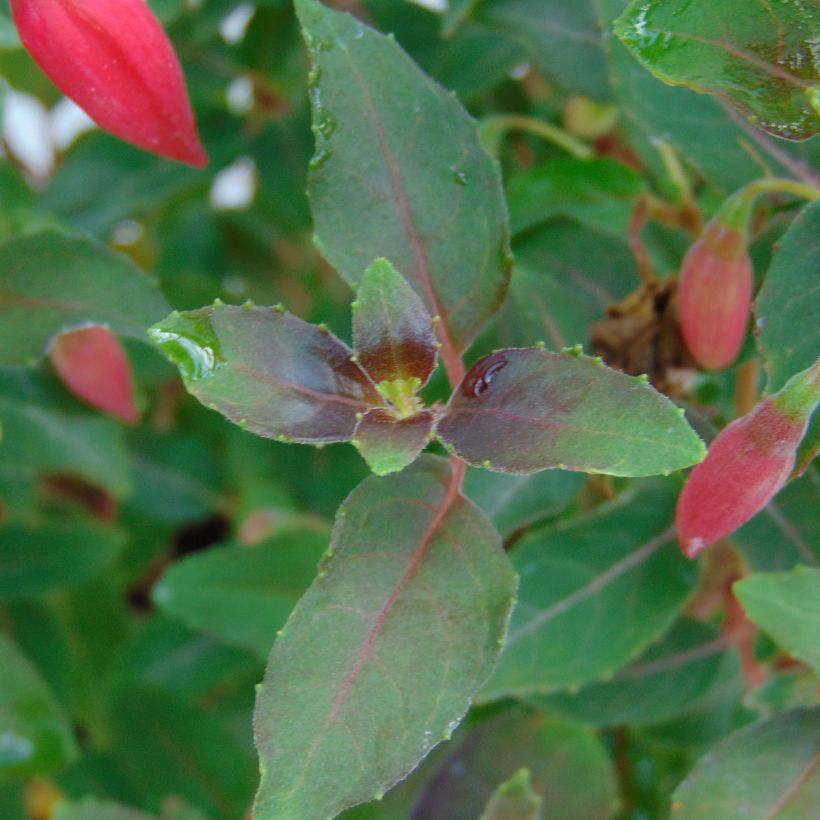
<point>786,605</point>
<point>242,594</point>
<point>560,754</point>
<point>399,173</point>
<point>392,332</point>
<point>268,371</point>
<point>766,770</point>
<point>526,409</point>
<point>50,283</point>
<point>669,677</point>
<point>389,444</point>
<point>350,703</point>
<point>514,799</point>
<point>761,60</point>
<point>586,606</point>
<point>35,736</point>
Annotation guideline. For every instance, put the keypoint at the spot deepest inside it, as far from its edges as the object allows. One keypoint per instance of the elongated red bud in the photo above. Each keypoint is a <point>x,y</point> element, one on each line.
<point>93,365</point>
<point>114,60</point>
<point>747,464</point>
<point>715,289</point>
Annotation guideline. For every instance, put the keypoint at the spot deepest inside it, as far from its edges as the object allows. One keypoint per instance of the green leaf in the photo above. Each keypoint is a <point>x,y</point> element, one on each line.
<point>787,531</point>
<point>268,371</point>
<point>49,283</point>
<point>762,60</point>
<point>167,746</point>
<point>399,173</point>
<point>526,409</point>
<point>241,594</point>
<point>515,501</point>
<point>38,557</point>
<point>599,192</point>
<point>561,38</point>
<point>35,736</point>
<point>588,602</point>
<point>668,678</point>
<point>380,659</point>
<point>570,768</point>
<point>41,435</point>
<point>786,308</point>
<point>392,332</point>
<point>514,799</point>
<point>786,605</point>
<point>766,770</point>
<point>388,443</point>
<point>697,126</point>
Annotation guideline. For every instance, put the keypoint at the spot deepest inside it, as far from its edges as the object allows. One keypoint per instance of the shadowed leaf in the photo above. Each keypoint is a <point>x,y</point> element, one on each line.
<point>587,603</point>
<point>526,409</point>
<point>381,657</point>
<point>399,173</point>
<point>763,59</point>
<point>389,444</point>
<point>268,371</point>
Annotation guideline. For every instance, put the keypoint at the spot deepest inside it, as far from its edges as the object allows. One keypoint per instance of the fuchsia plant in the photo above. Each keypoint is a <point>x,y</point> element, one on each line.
<point>747,465</point>
<point>114,60</point>
<point>93,364</point>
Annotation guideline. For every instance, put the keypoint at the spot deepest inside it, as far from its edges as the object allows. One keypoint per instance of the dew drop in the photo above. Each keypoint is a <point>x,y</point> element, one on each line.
<point>481,376</point>
<point>192,345</point>
<point>461,177</point>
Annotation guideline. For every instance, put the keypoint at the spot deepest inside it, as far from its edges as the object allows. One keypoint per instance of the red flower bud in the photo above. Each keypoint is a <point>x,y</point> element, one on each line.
<point>114,60</point>
<point>92,363</point>
<point>747,464</point>
<point>715,289</point>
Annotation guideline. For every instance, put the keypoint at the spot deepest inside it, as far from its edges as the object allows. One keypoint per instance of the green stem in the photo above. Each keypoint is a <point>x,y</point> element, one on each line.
<point>800,395</point>
<point>546,130</point>
<point>779,185</point>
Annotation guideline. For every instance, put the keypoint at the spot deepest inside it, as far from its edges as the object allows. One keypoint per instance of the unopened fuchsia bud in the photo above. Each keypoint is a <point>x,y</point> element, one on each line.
<point>92,364</point>
<point>114,60</point>
<point>715,289</point>
<point>747,464</point>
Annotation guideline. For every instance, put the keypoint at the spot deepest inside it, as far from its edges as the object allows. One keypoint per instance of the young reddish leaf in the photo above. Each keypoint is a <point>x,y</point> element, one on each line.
<point>93,364</point>
<point>388,443</point>
<point>715,291</point>
<point>268,371</point>
<point>392,332</point>
<point>382,656</point>
<point>115,61</point>
<point>399,172</point>
<point>747,464</point>
<point>526,409</point>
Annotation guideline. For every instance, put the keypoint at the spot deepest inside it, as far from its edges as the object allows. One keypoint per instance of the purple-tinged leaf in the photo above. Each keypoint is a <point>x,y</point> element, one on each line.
<point>380,659</point>
<point>399,172</point>
<point>526,409</point>
<point>268,371</point>
<point>388,443</point>
<point>392,331</point>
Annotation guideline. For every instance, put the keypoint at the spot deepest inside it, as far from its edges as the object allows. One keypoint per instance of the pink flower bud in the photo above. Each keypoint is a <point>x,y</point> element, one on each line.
<point>747,464</point>
<point>93,365</point>
<point>715,289</point>
<point>114,60</point>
